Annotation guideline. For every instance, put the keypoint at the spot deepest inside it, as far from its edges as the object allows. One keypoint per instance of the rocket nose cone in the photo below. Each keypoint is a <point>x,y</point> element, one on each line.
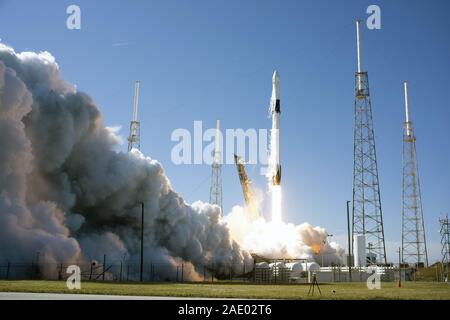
<point>276,76</point>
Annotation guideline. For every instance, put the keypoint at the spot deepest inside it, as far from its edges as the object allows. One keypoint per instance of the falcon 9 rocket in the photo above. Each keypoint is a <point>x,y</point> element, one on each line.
<point>275,132</point>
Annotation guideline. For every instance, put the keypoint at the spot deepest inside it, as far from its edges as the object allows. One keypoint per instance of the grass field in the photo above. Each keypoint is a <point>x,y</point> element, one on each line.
<point>409,290</point>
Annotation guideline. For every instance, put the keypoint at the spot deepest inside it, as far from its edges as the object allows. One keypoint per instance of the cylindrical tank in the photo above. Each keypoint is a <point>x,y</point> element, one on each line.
<point>295,268</point>
<point>359,250</point>
<point>277,267</point>
<point>262,265</point>
<point>277,264</point>
<point>310,266</point>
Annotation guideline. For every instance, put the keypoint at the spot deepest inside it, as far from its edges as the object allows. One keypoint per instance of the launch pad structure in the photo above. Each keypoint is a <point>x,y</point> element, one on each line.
<point>367,215</point>
<point>445,250</point>
<point>215,194</point>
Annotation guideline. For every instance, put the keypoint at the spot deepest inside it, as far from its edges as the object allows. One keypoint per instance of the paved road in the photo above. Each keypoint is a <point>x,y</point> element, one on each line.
<point>64,296</point>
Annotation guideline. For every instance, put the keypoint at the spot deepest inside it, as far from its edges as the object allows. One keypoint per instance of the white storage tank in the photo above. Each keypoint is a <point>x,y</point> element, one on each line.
<point>295,268</point>
<point>277,265</point>
<point>277,268</point>
<point>262,265</point>
<point>359,250</point>
<point>310,266</point>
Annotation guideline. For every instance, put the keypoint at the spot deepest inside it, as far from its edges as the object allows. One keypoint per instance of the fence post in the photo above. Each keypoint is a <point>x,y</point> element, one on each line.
<point>104,267</point>
<point>231,273</point>
<point>276,273</point>
<point>7,270</point>
<point>204,273</point>
<point>182,272</point>
<point>152,272</point>
<point>128,270</point>
<point>254,271</point>
<point>90,273</point>
<point>60,276</point>
<point>177,273</point>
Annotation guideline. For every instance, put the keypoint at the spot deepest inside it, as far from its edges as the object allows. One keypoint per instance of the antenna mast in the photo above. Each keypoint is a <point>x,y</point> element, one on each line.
<point>134,140</point>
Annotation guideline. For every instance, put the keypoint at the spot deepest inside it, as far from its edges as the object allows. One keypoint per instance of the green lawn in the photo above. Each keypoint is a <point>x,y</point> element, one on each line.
<point>409,290</point>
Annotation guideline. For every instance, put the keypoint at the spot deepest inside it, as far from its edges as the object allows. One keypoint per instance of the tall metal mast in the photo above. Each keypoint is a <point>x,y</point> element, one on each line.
<point>367,217</point>
<point>215,195</point>
<point>445,242</point>
<point>414,245</point>
<point>134,140</point>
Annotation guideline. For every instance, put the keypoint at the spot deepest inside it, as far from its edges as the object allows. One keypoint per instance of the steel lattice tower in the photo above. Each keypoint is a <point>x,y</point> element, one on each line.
<point>367,217</point>
<point>414,246</point>
<point>215,195</point>
<point>445,242</point>
<point>134,140</point>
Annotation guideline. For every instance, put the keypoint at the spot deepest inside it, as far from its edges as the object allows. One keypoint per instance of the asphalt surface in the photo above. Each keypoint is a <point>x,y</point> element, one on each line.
<point>64,296</point>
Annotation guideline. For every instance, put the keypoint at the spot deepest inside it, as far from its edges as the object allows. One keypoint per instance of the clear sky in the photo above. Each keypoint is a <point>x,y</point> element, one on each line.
<point>207,60</point>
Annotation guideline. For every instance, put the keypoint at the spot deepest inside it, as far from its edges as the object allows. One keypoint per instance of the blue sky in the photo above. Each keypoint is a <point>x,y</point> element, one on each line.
<point>208,60</point>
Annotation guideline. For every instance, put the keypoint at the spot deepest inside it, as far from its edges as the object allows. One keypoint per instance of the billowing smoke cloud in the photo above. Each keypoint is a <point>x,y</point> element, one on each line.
<point>65,191</point>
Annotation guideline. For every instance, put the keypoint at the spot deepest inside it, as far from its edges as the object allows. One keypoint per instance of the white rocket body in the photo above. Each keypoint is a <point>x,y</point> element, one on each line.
<point>275,111</point>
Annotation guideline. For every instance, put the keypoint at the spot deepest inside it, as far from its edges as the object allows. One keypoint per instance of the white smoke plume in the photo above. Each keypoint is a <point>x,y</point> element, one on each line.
<point>280,240</point>
<point>66,192</point>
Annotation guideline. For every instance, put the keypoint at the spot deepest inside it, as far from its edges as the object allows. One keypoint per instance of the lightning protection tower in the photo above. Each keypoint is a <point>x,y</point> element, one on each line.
<point>445,251</point>
<point>134,140</point>
<point>367,218</point>
<point>215,195</point>
<point>414,246</point>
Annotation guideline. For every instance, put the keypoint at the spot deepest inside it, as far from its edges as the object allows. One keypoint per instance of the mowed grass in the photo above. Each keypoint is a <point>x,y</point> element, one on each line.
<point>389,290</point>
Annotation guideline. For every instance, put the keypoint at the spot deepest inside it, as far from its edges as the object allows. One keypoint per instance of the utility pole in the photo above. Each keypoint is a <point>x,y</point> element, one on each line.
<point>142,244</point>
<point>349,259</point>
<point>104,267</point>
<point>367,215</point>
<point>399,268</point>
<point>37,264</point>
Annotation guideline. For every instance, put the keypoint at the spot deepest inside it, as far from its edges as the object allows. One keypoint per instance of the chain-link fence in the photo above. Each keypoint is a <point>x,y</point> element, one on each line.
<point>130,271</point>
<point>124,271</point>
